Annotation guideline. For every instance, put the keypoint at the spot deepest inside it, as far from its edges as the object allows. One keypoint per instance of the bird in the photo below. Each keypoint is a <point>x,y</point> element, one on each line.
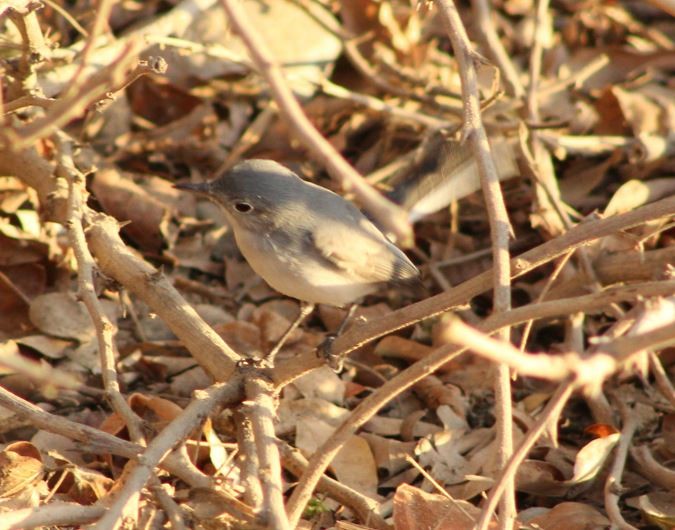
<point>304,240</point>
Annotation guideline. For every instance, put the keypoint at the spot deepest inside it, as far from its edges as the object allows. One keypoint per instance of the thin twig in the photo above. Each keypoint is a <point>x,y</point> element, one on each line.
<point>373,103</point>
<point>587,370</point>
<point>107,80</point>
<point>649,468</point>
<point>28,101</point>
<point>661,377</point>
<point>359,62</point>
<point>613,482</point>
<point>66,15</point>
<point>170,507</point>
<point>550,414</point>
<point>484,24</point>
<point>102,12</point>
<point>173,22</point>
<point>538,157</point>
<point>549,283</point>
<point>87,293</point>
<point>102,325</point>
<point>500,229</point>
<point>624,347</point>
<point>587,145</point>
<point>441,490</point>
<point>50,515</point>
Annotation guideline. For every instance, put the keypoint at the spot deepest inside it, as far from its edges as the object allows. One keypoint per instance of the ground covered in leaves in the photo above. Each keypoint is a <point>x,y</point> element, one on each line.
<point>107,104</point>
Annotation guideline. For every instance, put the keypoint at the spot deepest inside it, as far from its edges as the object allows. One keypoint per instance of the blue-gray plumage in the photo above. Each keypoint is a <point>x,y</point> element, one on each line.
<point>304,240</point>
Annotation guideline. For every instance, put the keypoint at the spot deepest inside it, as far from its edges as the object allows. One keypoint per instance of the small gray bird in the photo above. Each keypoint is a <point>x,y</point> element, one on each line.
<point>304,240</point>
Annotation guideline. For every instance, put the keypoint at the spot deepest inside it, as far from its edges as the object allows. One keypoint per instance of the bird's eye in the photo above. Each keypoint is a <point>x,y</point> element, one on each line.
<point>243,207</point>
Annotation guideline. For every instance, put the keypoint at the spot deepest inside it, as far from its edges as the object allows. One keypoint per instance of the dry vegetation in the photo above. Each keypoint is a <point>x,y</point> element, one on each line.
<point>532,386</point>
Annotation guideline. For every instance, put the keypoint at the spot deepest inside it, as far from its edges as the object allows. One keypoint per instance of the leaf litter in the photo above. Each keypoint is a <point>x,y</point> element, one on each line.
<point>606,110</point>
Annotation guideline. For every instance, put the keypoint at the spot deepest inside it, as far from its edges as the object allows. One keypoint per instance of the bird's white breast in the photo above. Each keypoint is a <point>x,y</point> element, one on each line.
<point>299,276</point>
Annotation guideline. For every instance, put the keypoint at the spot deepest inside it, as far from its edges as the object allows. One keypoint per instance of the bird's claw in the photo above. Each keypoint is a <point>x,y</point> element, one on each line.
<point>250,363</point>
<point>325,350</point>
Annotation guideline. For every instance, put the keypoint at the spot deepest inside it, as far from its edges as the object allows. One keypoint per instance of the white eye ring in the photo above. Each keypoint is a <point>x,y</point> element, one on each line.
<point>243,207</point>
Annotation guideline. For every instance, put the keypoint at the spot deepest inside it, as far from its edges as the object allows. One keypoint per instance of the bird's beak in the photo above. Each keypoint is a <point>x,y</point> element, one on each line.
<point>196,187</point>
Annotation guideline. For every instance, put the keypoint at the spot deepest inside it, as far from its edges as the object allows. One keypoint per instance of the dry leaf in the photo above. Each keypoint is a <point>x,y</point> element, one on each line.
<point>415,509</point>
<point>591,458</point>
<point>657,508</point>
<point>125,200</point>
<point>571,516</point>
<point>48,346</point>
<point>61,315</point>
<point>20,468</point>
<point>322,383</point>
<point>353,466</point>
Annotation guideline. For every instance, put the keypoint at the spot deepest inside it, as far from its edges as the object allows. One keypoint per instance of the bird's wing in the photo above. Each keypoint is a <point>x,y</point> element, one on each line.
<point>362,251</point>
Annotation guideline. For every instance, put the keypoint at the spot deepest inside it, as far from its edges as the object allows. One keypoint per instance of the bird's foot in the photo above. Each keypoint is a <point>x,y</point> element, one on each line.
<point>335,360</point>
<point>254,363</point>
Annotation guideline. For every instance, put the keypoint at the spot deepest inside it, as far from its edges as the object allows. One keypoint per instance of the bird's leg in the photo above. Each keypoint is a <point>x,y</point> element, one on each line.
<point>326,348</point>
<point>305,309</point>
<point>346,319</point>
